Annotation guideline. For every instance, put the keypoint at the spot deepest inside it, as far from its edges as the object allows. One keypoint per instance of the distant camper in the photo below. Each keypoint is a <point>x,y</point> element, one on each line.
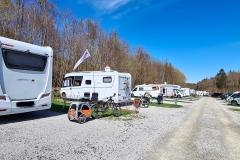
<point>167,90</point>
<point>105,83</point>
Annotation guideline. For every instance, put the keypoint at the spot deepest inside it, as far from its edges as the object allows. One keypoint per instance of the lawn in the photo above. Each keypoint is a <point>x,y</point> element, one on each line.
<point>59,107</point>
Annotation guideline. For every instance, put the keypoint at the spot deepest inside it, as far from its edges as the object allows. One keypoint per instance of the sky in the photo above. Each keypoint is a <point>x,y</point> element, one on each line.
<point>198,37</point>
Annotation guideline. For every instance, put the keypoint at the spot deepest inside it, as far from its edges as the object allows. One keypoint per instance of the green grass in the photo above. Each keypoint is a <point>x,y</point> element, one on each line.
<point>164,105</point>
<point>235,109</point>
<point>58,107</point>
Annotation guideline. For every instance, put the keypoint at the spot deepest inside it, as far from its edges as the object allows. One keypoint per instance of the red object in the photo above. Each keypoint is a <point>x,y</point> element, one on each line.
<point>136,102</point>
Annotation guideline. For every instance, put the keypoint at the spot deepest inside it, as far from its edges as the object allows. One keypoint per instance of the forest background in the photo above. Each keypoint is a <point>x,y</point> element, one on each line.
<point>42,23</point>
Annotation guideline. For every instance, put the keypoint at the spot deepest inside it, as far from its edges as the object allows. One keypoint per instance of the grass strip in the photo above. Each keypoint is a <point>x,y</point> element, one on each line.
<point>165,105</point>
<point>58,107</point>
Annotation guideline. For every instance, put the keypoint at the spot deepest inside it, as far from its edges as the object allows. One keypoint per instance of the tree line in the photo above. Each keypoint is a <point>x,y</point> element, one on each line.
<point>223,82</point>
<point>42,23</point>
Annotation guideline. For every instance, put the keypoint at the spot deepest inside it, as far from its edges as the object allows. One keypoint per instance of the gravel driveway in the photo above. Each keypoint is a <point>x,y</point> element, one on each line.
<point>204,129</point>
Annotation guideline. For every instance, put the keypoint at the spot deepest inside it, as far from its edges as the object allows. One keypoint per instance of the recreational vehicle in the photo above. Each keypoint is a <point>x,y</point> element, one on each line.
<point>168,90</point>
<point>105,83</point>
<point>186,91</point>
<point>25,77</point>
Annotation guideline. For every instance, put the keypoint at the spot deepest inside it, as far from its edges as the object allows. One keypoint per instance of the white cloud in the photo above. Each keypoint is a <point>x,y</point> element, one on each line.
<point>106,6</point>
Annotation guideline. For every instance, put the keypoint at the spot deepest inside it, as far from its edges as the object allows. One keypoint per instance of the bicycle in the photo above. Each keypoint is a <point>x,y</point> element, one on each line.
<point>144,102</point>
<point>99,109</point>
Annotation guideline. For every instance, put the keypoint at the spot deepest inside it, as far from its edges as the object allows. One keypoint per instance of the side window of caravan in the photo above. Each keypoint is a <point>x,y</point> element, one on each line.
<point>24,60</point>
<point>140,88</point>
<point>135,89</point>
<point>77,80</point>
<point>88,82</point>
<point>107,79</point>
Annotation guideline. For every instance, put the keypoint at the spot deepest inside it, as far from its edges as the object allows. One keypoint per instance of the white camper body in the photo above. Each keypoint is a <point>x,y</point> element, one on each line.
<point>25,77</point>
<point>172,90</point>
<point>105,83</point>
<point>186,91</point>
<point>168,90</point>
<point>192,92</point>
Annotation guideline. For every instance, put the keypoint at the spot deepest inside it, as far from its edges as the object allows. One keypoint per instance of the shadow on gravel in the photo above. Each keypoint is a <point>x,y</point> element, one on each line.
<point>13,118</point>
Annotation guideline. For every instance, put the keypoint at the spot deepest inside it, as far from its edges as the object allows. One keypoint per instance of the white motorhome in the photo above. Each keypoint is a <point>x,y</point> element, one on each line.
<point>25,77</point>
<point>186,91</point>
<point>168,90</point>
<point>105,83</point>
<point>192,92</point>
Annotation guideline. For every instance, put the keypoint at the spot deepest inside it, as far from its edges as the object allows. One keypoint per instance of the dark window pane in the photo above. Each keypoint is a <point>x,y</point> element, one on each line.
<point>24,60</point>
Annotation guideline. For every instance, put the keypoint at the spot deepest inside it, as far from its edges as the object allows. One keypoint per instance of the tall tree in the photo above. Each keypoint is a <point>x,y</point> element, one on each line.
<point>221,79</point>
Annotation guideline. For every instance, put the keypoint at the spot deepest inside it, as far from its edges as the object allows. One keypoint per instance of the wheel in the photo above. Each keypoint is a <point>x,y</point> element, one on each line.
<point>82,118</point>
<point>63,95</point>
<point>97,111</point>
<point>178,96</point>
<point>147,104</point>
<point>234,103</point>
<point>116,108</point>
<point>69,118</point>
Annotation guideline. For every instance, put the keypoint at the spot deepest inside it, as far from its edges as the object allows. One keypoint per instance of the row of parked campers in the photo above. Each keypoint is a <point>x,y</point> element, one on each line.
<point>233,98</point>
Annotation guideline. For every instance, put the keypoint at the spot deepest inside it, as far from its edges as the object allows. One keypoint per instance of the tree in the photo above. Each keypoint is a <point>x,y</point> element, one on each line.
<point>221,79</point>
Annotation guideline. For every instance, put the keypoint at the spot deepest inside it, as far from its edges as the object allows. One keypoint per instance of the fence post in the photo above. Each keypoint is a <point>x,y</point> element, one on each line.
<point>64,100</point>
<point>175,101</point>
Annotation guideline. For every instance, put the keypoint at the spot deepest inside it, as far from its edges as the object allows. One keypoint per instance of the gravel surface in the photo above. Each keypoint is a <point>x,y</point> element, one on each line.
<point>154,133</point>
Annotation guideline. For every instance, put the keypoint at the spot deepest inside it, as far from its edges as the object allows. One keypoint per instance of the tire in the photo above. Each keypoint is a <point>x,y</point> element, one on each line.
<point>97,111</point>
<point>82,118</point>
<point>178,96</point>
<point>63,95</point>
<point>234,103</point>
<point>116,109</point>
<point>147,104</point>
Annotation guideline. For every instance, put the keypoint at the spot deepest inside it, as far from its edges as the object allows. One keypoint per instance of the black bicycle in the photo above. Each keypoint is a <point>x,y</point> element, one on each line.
<point>99,109</point>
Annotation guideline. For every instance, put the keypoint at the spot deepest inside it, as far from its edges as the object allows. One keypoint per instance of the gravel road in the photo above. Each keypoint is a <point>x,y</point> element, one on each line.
<point>204,129</point>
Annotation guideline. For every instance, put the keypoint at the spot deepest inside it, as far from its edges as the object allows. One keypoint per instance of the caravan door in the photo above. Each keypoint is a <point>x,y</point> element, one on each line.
<point>124,92</point>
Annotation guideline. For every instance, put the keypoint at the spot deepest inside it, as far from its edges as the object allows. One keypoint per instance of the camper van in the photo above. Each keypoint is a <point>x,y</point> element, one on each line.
<point>105,83</point>
<point>25,77</point>
<point>186,91</point>
<point>168,90</point>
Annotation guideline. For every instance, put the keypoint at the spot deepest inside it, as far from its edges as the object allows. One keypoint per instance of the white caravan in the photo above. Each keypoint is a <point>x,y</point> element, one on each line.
<point>168,90</point>
<point>25,77</point>
<point>105,83</point>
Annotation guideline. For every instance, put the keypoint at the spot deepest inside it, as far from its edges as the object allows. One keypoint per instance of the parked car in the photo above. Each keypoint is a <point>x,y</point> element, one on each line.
<point>230,98</point>
<point>236,99</point>
<point>225,96</point>
<point>215,94</point>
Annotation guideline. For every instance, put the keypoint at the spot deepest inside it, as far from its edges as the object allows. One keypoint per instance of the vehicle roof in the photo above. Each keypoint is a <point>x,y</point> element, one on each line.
<point>97,73</point>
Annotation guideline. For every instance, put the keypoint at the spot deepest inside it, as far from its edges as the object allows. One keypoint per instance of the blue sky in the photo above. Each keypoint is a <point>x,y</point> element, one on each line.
<point>199,37</point>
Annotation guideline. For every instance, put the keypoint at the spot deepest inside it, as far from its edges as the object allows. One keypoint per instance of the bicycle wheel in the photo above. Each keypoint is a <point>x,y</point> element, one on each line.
<point>97,111</point>
<point>116,109</point>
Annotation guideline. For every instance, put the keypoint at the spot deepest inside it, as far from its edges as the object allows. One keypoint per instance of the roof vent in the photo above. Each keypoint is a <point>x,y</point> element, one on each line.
<point>107,69</point>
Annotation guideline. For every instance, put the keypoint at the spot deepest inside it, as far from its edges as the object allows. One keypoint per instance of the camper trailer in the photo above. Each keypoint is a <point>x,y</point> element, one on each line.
<point>25,77</point>
<point>105,83</point>
<point>168,90</point>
